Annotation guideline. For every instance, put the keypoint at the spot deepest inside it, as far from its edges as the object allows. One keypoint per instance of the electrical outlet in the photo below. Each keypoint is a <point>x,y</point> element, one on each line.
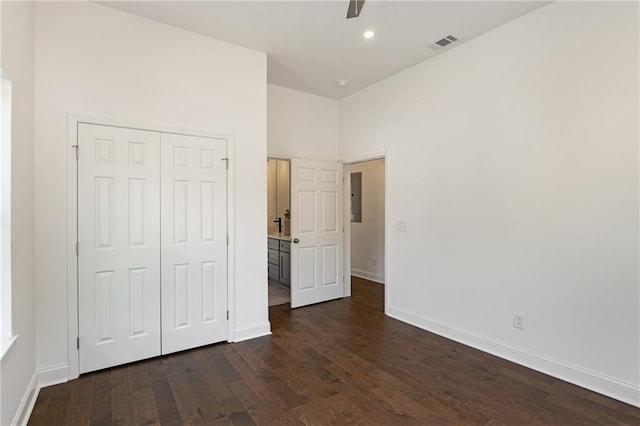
<point>518,321</point>
<point>402,225</point>
<point>374,261</point>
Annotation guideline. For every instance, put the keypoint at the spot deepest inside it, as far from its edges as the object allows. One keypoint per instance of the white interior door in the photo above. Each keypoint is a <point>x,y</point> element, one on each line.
<point>316,225</point>
<point>194,242</point>
<point>119,245</point>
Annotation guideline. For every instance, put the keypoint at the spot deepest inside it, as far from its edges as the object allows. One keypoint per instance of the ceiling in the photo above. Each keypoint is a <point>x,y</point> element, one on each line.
<point>311,44</point>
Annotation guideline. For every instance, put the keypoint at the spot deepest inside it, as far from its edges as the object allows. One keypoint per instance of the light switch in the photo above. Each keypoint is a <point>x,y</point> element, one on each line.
<point>401,225</point>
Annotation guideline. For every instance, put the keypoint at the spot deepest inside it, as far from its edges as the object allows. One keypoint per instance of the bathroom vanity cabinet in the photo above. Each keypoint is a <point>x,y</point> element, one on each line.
<point>279,259</point>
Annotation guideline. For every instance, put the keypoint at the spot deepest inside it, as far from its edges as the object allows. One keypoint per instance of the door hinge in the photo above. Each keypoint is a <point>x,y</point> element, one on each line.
<point>227,240</point>
<point>77,248</point>
<point>226,162</point>
<point>227,314</point>
<point>77,343</point>
<point>77,148</point>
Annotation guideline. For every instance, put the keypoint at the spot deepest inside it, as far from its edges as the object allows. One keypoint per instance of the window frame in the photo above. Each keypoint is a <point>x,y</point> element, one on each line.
<point>6,332</point>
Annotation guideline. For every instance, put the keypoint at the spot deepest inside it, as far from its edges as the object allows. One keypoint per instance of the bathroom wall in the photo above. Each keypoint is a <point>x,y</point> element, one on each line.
<point>277,192</point>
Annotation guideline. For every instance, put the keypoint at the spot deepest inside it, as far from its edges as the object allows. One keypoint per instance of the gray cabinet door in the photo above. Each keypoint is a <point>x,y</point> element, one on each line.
<point>274,272</point>
<point>285,269</point>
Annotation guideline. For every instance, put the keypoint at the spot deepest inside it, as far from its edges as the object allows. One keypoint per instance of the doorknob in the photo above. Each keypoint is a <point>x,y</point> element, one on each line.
<point>296,241</point>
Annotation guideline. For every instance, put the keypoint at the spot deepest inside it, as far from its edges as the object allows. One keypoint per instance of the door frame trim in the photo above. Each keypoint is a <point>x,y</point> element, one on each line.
<point>382,155</point>
<point>73,120</point>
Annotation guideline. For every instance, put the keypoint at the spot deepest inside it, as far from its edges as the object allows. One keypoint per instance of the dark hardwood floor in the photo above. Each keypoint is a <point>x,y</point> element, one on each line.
<point>341,362</point>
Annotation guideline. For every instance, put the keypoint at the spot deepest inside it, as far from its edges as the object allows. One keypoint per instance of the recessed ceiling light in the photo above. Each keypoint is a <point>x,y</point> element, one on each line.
<point>342,83</point>
<point>368,34</point>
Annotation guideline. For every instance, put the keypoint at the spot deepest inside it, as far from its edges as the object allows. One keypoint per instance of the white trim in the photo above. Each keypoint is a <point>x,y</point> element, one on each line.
<point>231,276</point>
<point>346,220</point>
<point>381,155</point>
<point>72,237</point>
<point>53,376</point>
<point>39,380</point>
<point>278,157</point>
<point>252,331</point>
<point>617,389</point>
<point>27,402</point>
<point>289,157</point>
<point>367,275</point>
<point>6,253</point>
<point>141,125</point>
<point>72,218</point>
<point>387,222</point>
<point>5,347</point>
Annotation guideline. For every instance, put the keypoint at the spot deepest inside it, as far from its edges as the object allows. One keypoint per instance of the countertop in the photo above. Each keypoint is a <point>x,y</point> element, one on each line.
<point>280,237</point>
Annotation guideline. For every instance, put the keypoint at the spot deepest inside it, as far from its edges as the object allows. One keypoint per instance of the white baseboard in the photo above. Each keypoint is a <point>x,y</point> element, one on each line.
<point>27,402</point>
<point>367,275</point>
<point>622,391</point>
<point>53,376</point>
<point>252,331</point>
<point>39,380</point>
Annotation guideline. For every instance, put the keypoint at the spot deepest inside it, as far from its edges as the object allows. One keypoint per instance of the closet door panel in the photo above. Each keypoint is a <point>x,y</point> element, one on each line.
<point>119,245</point>
<point>194,246</point>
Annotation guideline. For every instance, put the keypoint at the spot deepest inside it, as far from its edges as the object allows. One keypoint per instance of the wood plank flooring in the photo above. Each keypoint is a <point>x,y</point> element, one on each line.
<point>341,362</point>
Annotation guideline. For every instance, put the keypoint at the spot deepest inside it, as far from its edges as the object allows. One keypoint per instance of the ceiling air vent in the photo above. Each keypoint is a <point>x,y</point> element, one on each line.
<point>444,42</point>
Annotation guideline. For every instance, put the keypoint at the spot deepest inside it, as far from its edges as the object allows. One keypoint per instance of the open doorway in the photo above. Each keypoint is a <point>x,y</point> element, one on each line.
<point>367,231</point>
<point>279,231</point>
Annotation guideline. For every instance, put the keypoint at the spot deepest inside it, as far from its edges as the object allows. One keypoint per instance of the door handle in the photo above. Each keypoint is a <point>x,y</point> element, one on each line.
<point>296,241</point>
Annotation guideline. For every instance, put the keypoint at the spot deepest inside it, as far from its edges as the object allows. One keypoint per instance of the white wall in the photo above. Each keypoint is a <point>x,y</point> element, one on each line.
<point>18,366</point>
<point>514,160</point>
<point>302,125</point>
<point>367,237</point>
<point>91,59</point>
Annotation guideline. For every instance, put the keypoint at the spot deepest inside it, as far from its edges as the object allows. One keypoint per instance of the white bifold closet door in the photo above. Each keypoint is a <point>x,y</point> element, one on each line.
<point>152,264</point>
<point>119,243</point>
<point>194,242</point>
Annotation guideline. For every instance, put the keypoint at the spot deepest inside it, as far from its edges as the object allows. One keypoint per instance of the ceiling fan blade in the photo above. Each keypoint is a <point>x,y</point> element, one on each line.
<point>355,6</point>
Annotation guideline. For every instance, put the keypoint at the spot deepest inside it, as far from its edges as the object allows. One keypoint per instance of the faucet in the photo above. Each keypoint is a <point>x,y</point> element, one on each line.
<point>278,220</point>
